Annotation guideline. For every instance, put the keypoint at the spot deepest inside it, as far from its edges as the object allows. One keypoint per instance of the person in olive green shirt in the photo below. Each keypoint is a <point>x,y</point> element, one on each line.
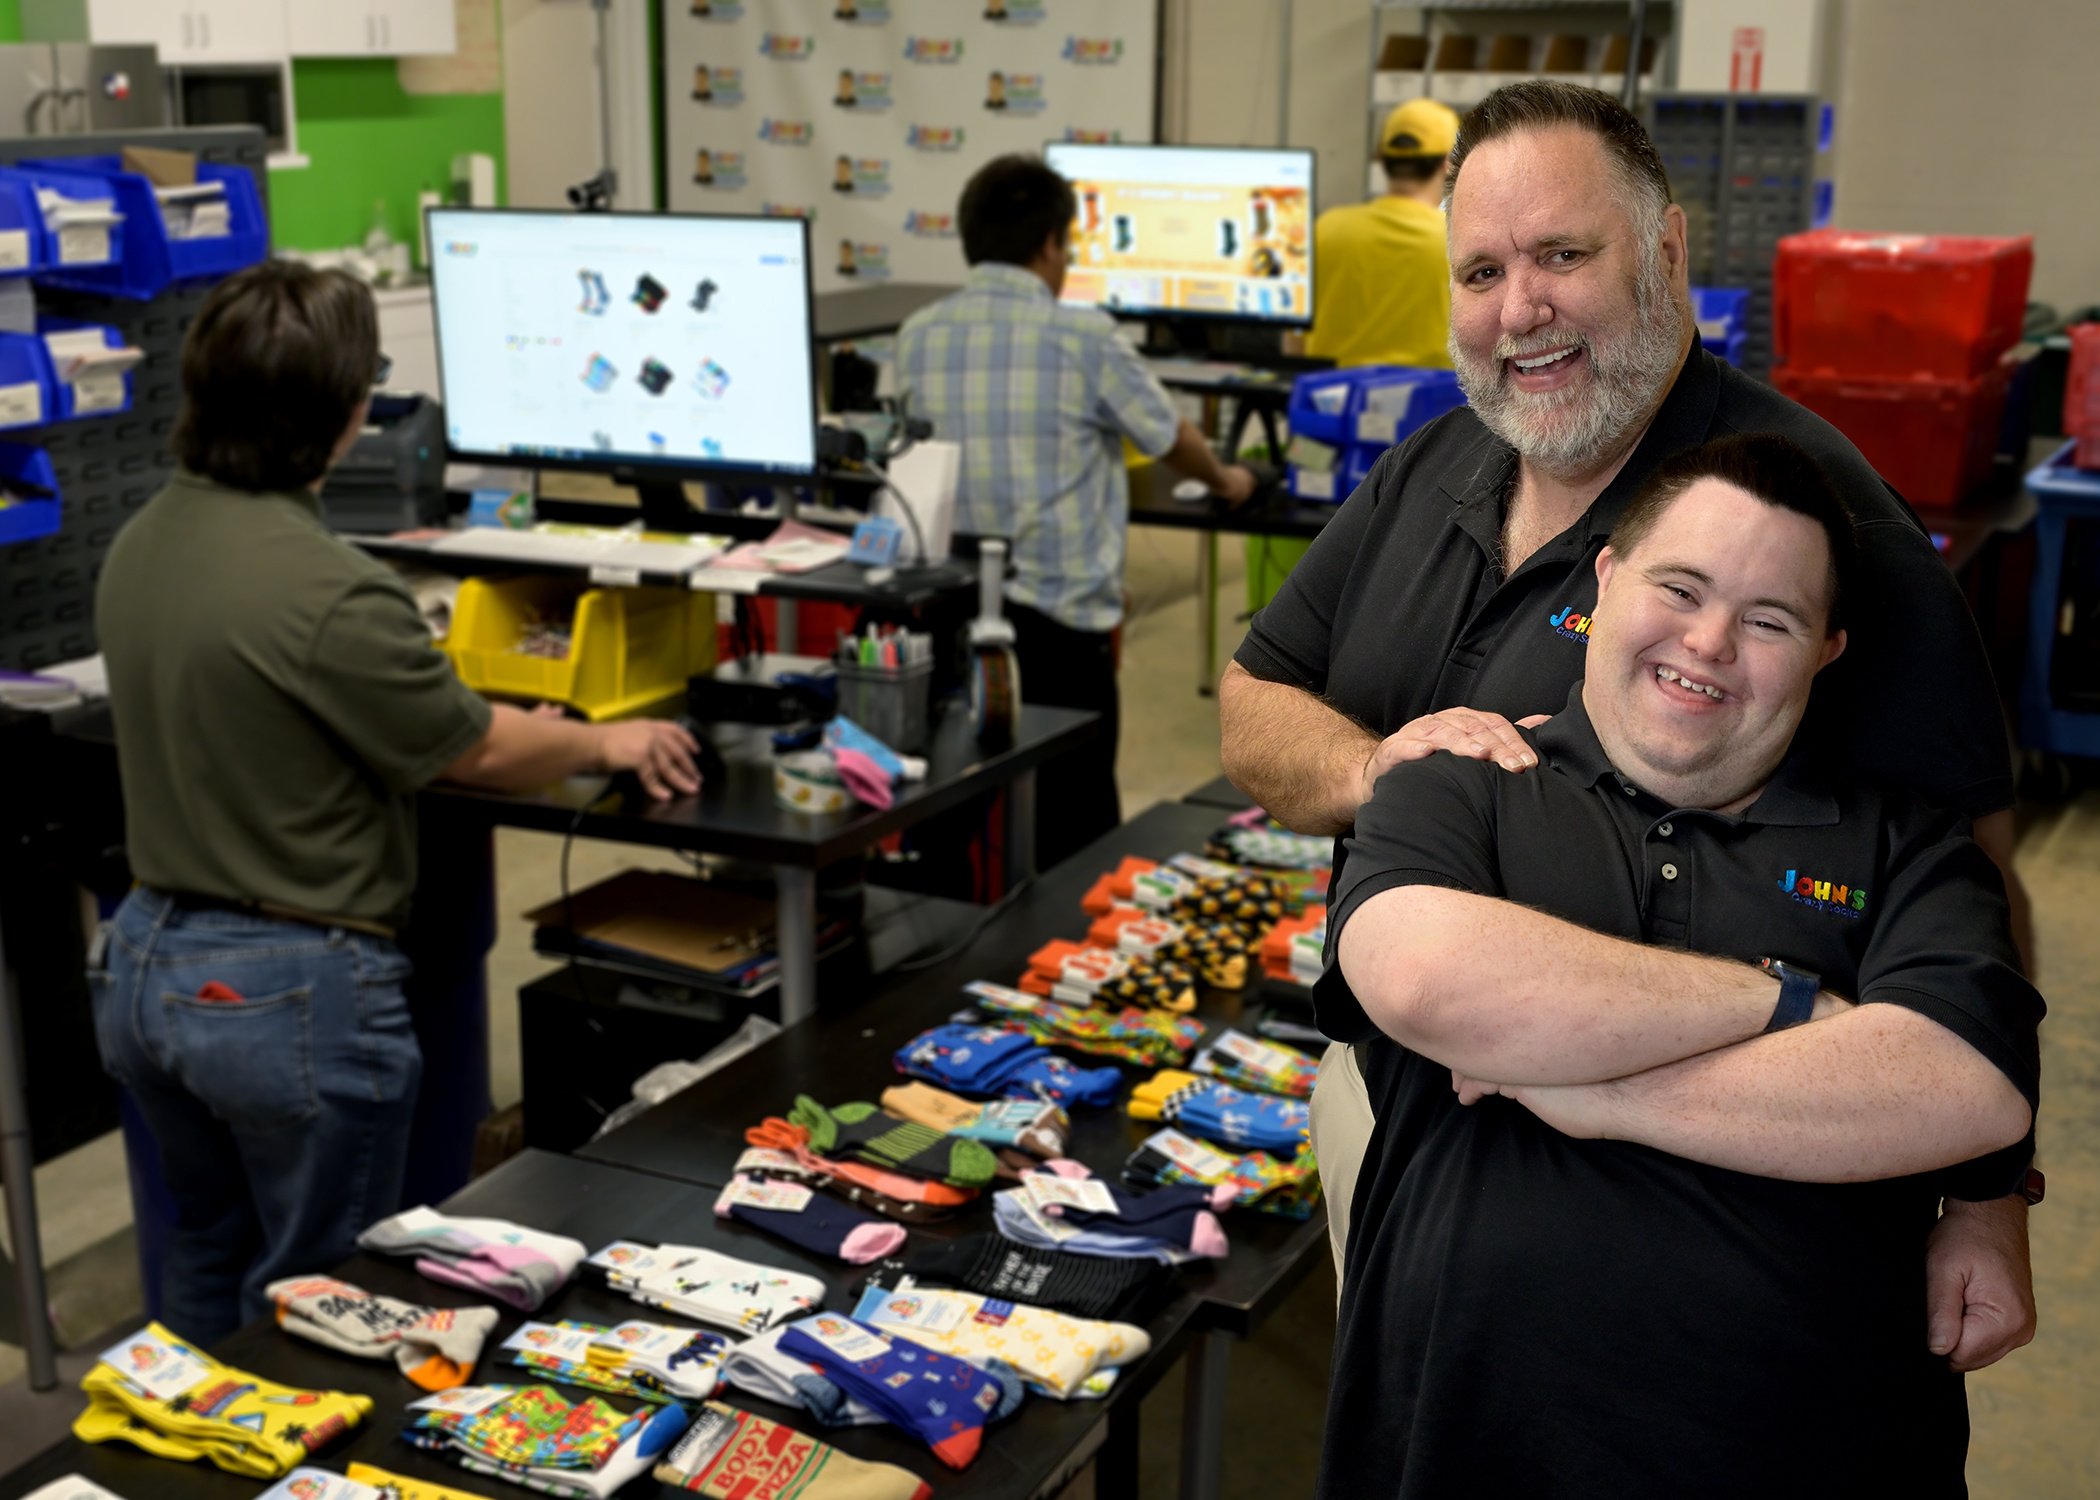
<point>278,702</point>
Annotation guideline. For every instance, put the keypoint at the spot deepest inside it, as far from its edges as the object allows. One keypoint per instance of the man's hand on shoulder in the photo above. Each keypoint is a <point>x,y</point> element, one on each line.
<point>1979,1286</point>
<point>1469,733</point>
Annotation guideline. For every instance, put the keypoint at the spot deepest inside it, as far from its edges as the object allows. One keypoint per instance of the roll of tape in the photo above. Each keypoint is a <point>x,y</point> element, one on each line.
<point>808,781</point>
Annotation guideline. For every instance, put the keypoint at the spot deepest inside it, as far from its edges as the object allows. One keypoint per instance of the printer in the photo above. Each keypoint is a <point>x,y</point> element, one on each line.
<point>393,477</point>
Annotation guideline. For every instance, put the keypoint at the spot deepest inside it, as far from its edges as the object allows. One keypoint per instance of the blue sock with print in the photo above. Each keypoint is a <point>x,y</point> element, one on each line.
<point>941,1400</point>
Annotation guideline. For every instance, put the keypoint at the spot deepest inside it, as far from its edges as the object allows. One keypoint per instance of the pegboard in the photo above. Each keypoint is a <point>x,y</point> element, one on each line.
<point>108,467</point>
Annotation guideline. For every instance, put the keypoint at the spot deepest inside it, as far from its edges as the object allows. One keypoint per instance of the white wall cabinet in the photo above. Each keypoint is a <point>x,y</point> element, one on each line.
<point>194,31</point>
<point>370,28</point>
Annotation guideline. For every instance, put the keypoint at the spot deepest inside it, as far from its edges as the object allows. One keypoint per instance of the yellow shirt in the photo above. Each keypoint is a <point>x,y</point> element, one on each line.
<point>1384,285</point>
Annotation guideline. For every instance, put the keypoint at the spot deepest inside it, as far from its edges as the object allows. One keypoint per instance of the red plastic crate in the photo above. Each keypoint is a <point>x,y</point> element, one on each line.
<point>1932,439</point>
<point>1898,305</point>
<point>2082,395</point>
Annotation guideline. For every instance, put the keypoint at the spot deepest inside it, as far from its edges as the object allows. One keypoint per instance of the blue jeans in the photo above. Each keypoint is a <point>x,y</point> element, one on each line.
<point>282,1118</point>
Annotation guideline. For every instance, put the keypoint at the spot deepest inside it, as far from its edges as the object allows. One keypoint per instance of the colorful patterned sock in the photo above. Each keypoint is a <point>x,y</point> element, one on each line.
<point>1218,1112</point>
<point>508,1262</point>
<point>996,1062</point>
<point>819,1225</point>
<point>1027,1124</point>
<point>532,1436</point>
<point>1146,1038</point>
<point>397,1487</point>
<point>806,1167</point>
<point>756,1367</point>
<point>1080,974</point>
<point>436,1347</point>
<point>992,1265</point>
<point>654,1361</point>
<point>861,1130</point>
<point>1056,1354</point>
<point>942,1401</point>
<point>732,1455</point>
<point>707,1285</point>
<point>1249,904</point>
<point>1174,1242</point>
<point>160,1394</point>
<point>936,1199</point>
<point>1212,950</point>
<point>1288,1189</point>
<point>1265,1067</point>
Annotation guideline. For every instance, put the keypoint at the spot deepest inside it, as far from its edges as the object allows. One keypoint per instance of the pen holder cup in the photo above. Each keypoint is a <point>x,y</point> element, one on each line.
<point>889,702</point>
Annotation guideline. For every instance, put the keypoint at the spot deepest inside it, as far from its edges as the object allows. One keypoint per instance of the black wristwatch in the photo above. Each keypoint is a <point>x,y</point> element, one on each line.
<point>1797,993</point>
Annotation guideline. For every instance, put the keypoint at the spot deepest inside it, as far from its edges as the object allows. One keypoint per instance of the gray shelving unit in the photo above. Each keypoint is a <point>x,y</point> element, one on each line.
<point>1743,167</point>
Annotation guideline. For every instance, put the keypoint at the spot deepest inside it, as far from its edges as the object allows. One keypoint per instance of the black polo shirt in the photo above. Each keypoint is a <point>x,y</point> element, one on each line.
<point>1400,607</point>
<point>1528,1314</point>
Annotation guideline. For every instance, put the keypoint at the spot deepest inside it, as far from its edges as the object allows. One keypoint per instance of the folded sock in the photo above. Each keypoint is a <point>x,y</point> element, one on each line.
<point>992,1265</point>
<point>733,1455</point>
<point>1289,1189</point>
<point>393,1486</point>
<point>158,1393</point>
<point>941,1400</point>
<point>1027,1125</point>
<point>992,1061</point>
<point>756,1367</point>
<point>1059,1355</point>
<point>73,1487</point>
<point>436,1347</point>
<point>1248,903</point>
<point>507,1261</point>
<point>932,1198</point>
<point>796,1214</point>
<point>861,1130</point>
<point>1265,1067</point>
<point>806,1167</point>
<point>1147,1038</point>
<point>707,1285</point>
<point>1200,1235</point>
<point>1218,1112</point>
<point>654,1361</point>
<point>1211,949</point>
<point>313,1484</point>
<point>1080,973</point>
<point>532,1436</point>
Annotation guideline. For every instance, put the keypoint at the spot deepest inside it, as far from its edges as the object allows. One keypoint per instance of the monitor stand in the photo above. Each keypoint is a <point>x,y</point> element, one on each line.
<point>664,506</point>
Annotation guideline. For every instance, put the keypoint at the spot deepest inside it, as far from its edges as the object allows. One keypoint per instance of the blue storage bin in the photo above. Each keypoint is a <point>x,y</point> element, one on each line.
<point>65,399</point>
<point>83,249</point>
<point>26,520</point>
<point>21,226</point>
<point>26,398</point>
<point>1722,314</point>
<point>2063,493</point>
<point>151,261</point>
<point>1360,413</point>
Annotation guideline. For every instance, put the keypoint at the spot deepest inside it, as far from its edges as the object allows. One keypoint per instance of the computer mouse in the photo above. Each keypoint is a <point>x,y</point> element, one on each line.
<point>708,760</point>
<point>1191,489</point>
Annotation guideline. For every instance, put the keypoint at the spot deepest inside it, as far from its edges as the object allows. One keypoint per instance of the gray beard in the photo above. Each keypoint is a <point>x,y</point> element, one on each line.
<point>1573,432</point>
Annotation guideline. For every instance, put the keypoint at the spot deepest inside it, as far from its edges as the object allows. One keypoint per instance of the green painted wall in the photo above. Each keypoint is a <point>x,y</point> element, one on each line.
<point>368,141</point>
<point>10,20</point>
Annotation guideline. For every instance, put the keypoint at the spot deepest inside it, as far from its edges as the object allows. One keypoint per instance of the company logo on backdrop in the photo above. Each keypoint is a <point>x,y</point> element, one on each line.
<point>718,10</point>
<point>786,132</point>
<point>720,171</point>
<point>933,49</point>
<point>862,176</point>
<point>462,248</point>
<point>934,138</point>
<point>1079,135</point>
<point>862,12</point>
<point>866,93</point>
<point>928,226</point>
<point>718,86</point>
<point>1093,49</point>
<point>782,47</point>
<point>1014,12</point>
<point>1014,93</point>
<point>865,260</point>
<point>789,211</point>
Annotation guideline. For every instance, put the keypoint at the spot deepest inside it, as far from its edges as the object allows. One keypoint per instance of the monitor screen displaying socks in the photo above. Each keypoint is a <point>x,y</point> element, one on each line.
<point>1191,231</point>
<point>647,345</point>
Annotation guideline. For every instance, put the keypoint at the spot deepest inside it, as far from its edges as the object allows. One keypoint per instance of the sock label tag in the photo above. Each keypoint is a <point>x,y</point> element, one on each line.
<point>1160,889</point>
<point>572,1344</point>
<point>465,1400</point>
<point>1260,1056</point>
<point>703,1442</point>
<point>1003,998</point>
<point>1193,1157</point>
<point>766,1159</point>
<point>156,1364</point>
<point>1147,935</point>
<point>1088,1194</point>
<point>1089,969</point>
<point>844,1337</point>
<point>909,1308</point>
<point>313,1484</point>
<point>752,1192</point>
<point>623,1258</point>
<point>1054,1230</point>
<point>1012,1115</point>
<point>1198,867</point>
<point>994,1311</point>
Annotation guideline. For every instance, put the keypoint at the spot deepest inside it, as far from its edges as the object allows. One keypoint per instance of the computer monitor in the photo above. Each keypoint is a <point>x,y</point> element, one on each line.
<point>656,347</point>
<point>1210,232</point>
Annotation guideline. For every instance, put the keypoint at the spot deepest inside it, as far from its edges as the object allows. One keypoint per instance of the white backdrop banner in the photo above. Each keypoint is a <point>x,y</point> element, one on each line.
<point>868,116</point>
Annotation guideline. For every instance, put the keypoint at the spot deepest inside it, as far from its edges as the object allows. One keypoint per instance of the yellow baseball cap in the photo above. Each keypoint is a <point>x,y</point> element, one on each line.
<point>1420,127</point>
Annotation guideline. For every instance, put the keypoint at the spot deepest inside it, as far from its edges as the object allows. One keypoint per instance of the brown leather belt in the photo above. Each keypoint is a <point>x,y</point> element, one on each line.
<point>192,901</point>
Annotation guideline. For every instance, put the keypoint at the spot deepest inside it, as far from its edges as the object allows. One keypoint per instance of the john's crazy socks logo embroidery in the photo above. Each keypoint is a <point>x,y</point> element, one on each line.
<point>1569,623</point>
<point>1824,895</point>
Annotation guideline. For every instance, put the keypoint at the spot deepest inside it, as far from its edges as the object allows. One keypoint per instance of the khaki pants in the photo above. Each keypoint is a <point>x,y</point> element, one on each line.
<point>1341,1135</point>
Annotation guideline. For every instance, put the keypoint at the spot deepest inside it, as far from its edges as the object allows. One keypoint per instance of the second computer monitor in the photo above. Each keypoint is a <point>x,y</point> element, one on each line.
<point>1191,231</point>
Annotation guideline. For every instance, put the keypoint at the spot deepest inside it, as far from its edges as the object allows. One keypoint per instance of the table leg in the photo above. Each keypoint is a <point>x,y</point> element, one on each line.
<point>1020,828</point>
<point>1203,1417</point>
<point>1116,1464</point>
<point>787,625</point>
<point>1207,612</point>
<point>795,930</point>
<point>18,1165</point>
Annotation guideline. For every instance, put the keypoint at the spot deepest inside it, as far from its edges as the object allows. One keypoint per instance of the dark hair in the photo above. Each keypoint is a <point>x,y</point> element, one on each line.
<point>1011,207</point>
<point>273,368</point>
<point>1773,469</point>
<point>1411,171</point>
<point>1547,104</point>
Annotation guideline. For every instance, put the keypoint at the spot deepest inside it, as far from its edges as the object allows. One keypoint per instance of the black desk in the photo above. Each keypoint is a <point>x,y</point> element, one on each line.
<point>1031,1454</point>
<point>695,1137</point>
<point>864,311</point>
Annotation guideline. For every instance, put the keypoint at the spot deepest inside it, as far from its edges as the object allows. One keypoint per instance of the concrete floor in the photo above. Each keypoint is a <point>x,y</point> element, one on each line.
<point>2035,1437</point>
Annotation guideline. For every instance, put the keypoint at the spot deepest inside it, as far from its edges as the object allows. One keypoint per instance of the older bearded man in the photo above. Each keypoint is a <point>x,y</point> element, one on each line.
<point>1453,593</point>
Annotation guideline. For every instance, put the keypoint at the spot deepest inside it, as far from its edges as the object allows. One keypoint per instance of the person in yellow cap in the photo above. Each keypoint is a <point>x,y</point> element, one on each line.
<point>1384,291</point>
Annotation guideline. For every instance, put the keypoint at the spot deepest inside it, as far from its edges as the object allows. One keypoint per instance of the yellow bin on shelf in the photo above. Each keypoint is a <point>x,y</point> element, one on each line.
<point>630,650</point>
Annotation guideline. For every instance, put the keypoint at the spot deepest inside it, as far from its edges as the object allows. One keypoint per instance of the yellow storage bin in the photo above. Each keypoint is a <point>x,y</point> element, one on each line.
<point>630,650</point>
